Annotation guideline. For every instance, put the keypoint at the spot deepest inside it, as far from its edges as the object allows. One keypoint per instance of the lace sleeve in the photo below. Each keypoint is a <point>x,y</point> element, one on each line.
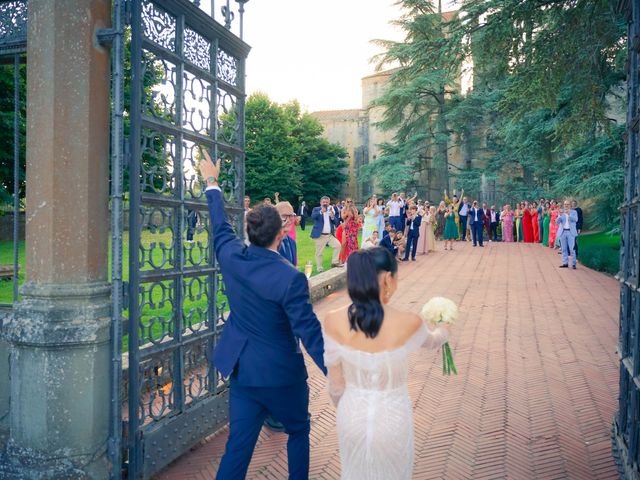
<point>427,338</point>
<point>436,338</point>
<point>335,377</point>
<point>335,383</point>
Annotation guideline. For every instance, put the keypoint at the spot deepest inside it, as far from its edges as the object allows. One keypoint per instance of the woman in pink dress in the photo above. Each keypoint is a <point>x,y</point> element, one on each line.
<point>422,247</point>
<point>507,224</point>
<point>553,228</point>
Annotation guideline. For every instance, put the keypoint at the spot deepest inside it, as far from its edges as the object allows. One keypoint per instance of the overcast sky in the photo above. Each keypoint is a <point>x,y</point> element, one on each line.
<point>315,51</point>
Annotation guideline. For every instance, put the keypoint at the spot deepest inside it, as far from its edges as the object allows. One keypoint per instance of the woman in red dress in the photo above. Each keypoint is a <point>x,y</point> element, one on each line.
<point>527,226</point>
<point>534,223</point>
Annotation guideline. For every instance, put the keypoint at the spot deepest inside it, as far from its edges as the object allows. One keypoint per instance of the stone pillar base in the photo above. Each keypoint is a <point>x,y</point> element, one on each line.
<point>60,363</point>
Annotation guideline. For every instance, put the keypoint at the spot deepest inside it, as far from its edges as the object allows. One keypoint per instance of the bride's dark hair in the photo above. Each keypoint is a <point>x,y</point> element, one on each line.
<point>363,266</point>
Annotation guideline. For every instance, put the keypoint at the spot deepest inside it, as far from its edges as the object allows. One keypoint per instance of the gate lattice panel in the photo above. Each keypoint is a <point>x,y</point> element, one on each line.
<point>187,94</point>
<point>627,421</point>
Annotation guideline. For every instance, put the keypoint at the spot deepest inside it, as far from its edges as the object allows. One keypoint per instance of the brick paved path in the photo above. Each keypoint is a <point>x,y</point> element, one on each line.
<point>537,380</point>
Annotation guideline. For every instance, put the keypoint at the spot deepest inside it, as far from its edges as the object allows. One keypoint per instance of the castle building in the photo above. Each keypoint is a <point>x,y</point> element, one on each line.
<point>356,131</point>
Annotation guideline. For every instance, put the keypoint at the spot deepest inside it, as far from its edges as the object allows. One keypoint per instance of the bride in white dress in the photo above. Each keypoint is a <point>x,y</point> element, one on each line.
<point>366,348</point>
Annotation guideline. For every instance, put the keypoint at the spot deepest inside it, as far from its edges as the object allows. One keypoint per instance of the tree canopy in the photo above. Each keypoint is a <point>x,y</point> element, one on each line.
<point>545,113</point>
<point>285,153</point>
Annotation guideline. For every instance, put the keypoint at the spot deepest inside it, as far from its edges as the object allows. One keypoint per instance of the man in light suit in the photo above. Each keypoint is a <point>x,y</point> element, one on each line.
<point>259,346</point>
<point>566,221</point>
<point>325,222</point>
<point>476,220</point>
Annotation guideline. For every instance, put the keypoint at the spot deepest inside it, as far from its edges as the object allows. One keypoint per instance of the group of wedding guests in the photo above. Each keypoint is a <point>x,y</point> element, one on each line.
<point>404,226</point>
<point>408,227</point>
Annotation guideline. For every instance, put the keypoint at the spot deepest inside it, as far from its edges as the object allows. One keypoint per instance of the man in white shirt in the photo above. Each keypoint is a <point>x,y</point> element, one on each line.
<point>567,233</point>
<point>395,206</point>
<point>494,219</point>
<point>324,224</point>
<point>476,220</point>
<point>463,213</point>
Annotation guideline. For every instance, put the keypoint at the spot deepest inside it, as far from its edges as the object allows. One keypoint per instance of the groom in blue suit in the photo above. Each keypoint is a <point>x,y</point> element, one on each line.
<point>260,344</point>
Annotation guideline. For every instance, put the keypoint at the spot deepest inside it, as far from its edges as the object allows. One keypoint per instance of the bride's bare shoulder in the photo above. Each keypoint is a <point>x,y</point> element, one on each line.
<point>409,320</point>
<point>332,321</point>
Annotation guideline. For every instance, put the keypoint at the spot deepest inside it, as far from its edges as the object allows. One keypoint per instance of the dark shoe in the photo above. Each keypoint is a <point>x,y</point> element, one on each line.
<point>564,266</point>
<point>475,245</point>
<point>574,267</point>
<point>413,260</point>
<point>273,425</point>
<point>482,245</point>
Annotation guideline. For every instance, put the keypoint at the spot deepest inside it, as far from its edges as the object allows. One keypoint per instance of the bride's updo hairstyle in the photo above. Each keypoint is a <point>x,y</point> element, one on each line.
<point>363,266</point>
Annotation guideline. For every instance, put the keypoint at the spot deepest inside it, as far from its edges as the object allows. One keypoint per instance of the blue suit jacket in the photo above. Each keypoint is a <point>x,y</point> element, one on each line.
<point>573,220</point>
<point>318,222</point>
<point>387,243</point>
<point>270,311</point>
<point>416,226</point>
<point>289,250</point>
<point>472,216</point>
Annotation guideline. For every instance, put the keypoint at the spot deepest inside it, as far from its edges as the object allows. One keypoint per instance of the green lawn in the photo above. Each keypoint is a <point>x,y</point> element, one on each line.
<point>600,251</point>
<point>156,321</point>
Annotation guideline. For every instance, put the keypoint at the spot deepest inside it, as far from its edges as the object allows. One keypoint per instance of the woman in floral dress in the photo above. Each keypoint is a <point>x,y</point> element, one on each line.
<point>507,224</point>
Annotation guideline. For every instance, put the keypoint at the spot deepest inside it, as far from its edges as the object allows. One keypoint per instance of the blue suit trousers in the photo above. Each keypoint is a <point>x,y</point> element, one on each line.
<point>248,408</point>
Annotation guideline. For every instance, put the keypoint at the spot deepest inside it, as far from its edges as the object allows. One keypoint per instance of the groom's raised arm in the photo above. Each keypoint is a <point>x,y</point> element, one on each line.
<point>303,320</point>
<point>225,240</point>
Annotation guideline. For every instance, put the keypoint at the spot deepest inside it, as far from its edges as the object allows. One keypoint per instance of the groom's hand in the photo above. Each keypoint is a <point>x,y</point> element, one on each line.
<point>209,171</point>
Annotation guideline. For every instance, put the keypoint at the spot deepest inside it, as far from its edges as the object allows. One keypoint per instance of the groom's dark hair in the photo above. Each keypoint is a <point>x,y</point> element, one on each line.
<point>263,225</point>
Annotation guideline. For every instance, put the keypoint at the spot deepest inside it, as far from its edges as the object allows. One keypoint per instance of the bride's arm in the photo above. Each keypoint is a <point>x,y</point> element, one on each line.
<point>335,383</point>
<point>436,337</point>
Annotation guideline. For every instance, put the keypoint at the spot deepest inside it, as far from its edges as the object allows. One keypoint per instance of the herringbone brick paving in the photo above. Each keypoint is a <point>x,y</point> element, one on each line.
<point>537,381</point>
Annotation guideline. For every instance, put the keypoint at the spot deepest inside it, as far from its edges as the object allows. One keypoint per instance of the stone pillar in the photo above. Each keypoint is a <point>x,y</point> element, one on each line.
<point>59,334</point>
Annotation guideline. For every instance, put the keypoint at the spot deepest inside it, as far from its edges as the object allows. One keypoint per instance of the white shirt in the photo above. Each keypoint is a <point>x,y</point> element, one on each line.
<point>394,207</point>
<point>493,216</point>
<point>464,210</point>
<point>476,213</point>
<point>327,222</point>
<point>567,226</point>
<point>368,243</point>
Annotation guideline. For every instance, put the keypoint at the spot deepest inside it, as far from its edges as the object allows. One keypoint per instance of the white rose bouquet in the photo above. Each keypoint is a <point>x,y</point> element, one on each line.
<point>442,310</point>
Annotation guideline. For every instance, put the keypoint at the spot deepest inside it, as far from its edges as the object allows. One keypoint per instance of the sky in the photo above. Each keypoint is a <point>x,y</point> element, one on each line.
<point>316,51</point>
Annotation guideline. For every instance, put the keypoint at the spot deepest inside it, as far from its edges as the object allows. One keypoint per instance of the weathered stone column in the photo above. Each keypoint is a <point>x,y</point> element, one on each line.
<point>60,331</point>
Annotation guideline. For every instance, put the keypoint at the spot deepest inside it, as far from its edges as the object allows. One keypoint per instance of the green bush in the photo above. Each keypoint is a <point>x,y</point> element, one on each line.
<point>600,251</point>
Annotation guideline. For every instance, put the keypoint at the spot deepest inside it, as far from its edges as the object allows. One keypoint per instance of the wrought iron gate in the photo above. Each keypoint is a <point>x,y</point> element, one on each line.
<point>626,427</point>
<point>13,48</point>
<point>187,93</point>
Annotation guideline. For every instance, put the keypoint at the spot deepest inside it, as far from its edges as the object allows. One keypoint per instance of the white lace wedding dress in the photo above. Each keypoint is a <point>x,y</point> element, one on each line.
<point>374,418</point>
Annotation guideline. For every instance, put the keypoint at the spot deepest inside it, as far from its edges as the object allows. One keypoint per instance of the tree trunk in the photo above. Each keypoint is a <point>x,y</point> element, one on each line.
<point>440,178</point>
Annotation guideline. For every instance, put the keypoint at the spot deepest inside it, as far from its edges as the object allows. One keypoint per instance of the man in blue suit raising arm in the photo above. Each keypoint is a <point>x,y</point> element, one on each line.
<point>259,347</point>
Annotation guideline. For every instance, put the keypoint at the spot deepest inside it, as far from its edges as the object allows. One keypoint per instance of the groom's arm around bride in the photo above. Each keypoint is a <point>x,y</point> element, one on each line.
<point>258,348</point>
